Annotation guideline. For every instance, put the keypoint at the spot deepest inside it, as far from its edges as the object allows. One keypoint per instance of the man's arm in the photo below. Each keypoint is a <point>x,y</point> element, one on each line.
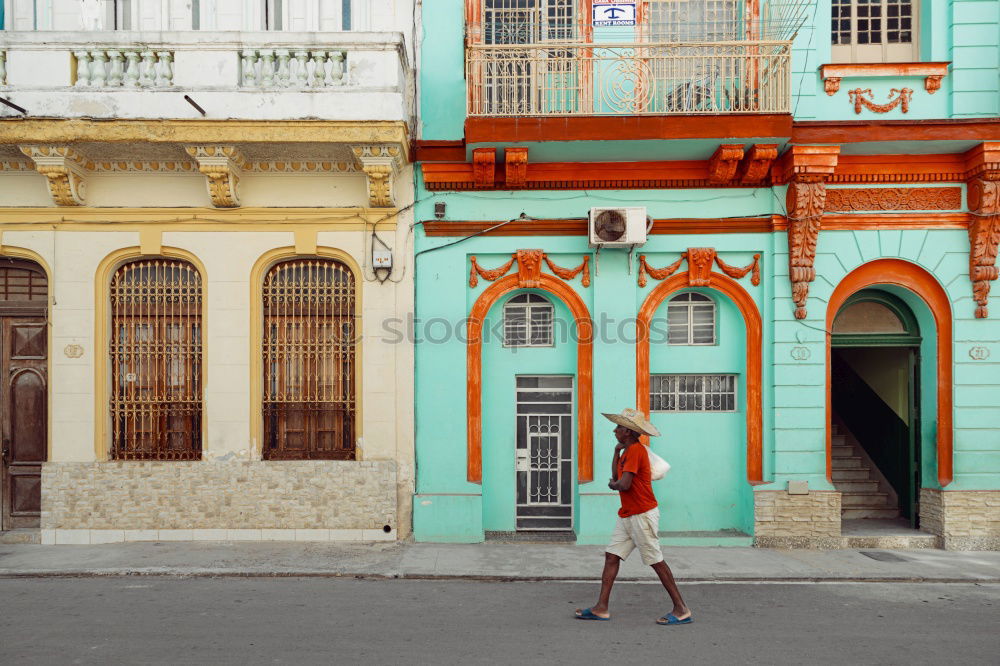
<point>623,483</point>
<point>613,483</point>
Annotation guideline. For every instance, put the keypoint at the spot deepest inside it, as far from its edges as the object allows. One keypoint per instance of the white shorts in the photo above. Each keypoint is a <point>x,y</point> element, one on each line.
<point>639,531</point>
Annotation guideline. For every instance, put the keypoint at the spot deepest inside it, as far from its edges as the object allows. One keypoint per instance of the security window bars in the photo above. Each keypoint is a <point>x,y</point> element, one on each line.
<point>22,285</point>
<point>527,321</point>
<point>692,393</point>
<point>874,30</point>
<point>528,21</point>
<point>155,352</point>
<point>694,20</point>
<point>309,349</point>
<point>691,320</point>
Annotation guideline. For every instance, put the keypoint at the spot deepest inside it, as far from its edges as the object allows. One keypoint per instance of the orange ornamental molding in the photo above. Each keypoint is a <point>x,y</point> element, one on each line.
<point>863,97</point>
<point>932,71</point>
<point>855,131</point>
<point>625,128</point>
<point>529,275</point>
<point>768,224</point>
<point>752,320</point>
<point>859,169</point>
<point>893,198</point>
<point>916,279</point>
<point>983,194</point>
<point>700,260</point>
<point>805,168</point>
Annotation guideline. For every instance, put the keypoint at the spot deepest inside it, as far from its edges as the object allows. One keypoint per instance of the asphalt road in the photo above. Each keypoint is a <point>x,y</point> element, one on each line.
<point>139,619</point>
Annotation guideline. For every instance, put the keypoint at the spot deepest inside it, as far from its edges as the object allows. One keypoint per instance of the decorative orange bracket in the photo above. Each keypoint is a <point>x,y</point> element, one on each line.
<point>700,260</point>
<point>529,266</point>
<point>932,72</point>
<point>805,169</point>
<point>983,195</point>
<point>723,163</point>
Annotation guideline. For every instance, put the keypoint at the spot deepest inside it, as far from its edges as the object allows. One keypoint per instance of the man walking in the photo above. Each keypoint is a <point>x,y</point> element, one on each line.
<point>638,519</point>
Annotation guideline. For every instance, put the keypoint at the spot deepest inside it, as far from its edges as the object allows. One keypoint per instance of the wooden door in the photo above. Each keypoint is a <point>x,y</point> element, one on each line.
<point>24,341</point>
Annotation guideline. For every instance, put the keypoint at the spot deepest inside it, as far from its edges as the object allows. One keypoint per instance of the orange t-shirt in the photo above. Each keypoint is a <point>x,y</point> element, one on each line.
<point>639,497</point>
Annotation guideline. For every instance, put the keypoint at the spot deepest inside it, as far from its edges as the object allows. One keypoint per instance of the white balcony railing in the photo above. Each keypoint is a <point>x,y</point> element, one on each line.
<point>629,79</point>
<point>333,75</point>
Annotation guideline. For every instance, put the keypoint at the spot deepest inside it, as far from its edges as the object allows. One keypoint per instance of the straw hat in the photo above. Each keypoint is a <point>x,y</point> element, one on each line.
<point>634,420</point>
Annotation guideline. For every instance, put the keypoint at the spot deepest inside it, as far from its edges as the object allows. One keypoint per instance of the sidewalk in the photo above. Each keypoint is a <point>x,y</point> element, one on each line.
<point>489,561</point>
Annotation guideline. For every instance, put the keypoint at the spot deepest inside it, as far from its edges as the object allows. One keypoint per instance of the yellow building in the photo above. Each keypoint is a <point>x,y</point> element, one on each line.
<point>205,230</point>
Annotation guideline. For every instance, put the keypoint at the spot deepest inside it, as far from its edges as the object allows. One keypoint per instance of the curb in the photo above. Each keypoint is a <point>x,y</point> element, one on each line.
<point>204,573</point>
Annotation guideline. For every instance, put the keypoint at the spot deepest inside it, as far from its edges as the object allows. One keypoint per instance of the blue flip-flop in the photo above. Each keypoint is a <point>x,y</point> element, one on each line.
<point>587,614</point>
<point>671,620</point>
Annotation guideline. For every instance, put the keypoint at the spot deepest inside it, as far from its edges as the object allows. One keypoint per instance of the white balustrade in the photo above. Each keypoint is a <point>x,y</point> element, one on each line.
<point>292,68</point>
<point>117,68</point>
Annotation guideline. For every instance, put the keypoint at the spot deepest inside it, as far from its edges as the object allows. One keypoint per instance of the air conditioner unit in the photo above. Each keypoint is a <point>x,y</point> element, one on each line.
<point>617,227</point>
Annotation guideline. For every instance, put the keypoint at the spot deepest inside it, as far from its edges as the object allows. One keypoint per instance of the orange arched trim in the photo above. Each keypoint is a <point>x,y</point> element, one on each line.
<point>584,371</point>
<point>751,317</point>
<point>923,284</point>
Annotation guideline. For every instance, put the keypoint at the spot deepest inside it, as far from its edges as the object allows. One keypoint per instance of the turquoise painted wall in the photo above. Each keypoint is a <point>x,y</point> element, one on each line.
<point>794,390</point>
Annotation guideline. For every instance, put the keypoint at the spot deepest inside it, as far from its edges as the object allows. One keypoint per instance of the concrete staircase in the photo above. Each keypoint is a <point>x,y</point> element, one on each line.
<point>864,493</point>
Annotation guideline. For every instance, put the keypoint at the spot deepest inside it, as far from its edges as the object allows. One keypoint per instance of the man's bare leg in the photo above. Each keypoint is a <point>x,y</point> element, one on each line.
<point>611,564</point>
<point>680,610</point>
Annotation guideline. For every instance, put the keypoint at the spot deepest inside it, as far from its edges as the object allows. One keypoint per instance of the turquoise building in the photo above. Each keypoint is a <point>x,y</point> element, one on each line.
<point>772,226</point>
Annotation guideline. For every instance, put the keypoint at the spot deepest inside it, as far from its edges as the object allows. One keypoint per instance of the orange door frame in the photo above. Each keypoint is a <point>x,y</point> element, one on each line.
<point>917,280</point>
<point>584,371</point>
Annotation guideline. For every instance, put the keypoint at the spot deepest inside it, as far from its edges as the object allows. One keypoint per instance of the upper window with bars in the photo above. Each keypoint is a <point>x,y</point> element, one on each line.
<point>691,320</point>
<point>529,21</point>
<point>874,30</point>
<point>527,321</point>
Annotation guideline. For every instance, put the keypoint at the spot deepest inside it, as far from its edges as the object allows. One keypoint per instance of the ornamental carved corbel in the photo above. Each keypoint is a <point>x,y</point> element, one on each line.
<point>805,169</point>
<point>380,164</point>
<point>222,167</point>
<point>757,163</point>
<point>984,236</point>
<point>529,269</point>
<point>804,201</point>
<point>724,162</point>
<point>65,170</point>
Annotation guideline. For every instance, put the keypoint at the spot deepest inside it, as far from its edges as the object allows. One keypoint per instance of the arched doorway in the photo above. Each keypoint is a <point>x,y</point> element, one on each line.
<point>875,400</point>
<point>24,298</point>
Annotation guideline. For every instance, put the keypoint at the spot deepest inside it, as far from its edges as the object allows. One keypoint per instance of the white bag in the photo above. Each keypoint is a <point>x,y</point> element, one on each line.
<point>658,467</point>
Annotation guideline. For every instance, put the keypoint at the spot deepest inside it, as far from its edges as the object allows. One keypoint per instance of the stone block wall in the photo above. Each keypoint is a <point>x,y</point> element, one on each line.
<point>316,495</point>
<point>797,521</point>
<point>965,520</point>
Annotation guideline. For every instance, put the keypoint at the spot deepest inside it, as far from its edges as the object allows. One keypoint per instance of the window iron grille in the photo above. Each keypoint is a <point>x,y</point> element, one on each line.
<point>155,350</point>
<point>23,285</point>
<point>309,354</point>
<point>692,393</point>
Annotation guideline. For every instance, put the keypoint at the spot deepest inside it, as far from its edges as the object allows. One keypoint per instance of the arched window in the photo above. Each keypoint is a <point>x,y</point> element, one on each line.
<point>309,347</point>
<point>874,31</point>
<point>155,350</point>
<point>527,321</point>
<point>691,320</point>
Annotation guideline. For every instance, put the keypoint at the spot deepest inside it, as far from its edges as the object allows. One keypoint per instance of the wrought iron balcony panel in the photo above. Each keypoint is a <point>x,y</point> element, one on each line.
<point>587,79</point>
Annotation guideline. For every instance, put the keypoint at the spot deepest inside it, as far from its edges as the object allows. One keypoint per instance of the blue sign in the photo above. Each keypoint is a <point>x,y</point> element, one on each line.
<point>618,13</point>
